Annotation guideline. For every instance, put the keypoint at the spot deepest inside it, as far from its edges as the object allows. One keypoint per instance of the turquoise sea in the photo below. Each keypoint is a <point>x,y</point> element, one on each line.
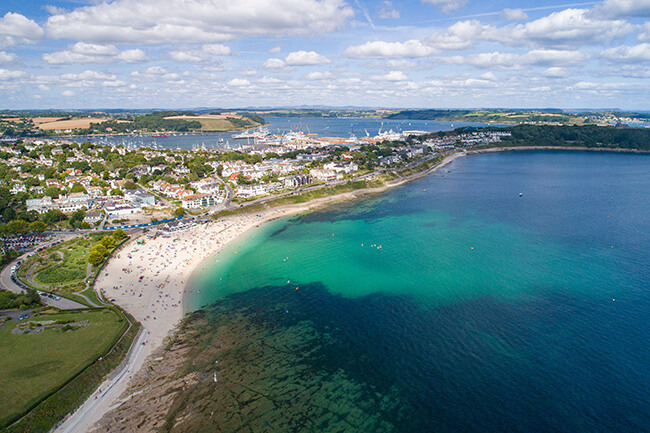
<point>507,292</point>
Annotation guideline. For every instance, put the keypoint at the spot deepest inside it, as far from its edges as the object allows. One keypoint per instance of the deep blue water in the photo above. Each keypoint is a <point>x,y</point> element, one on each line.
<point>542,326</point>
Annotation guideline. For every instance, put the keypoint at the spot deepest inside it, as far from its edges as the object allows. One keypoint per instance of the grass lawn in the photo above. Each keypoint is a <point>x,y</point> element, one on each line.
<point>33,365</point>
<point>63,267</point>
<point>216,125</point>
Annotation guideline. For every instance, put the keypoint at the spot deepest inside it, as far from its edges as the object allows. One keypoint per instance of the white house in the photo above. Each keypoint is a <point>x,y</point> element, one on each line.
<point>345,167</point>
<point>196,201</point>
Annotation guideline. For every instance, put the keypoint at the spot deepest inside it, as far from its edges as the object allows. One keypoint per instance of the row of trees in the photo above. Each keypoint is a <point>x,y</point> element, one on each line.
<point>579,136</point>
<point>33,222</point>
<point>22,301</point>
<point>101,250</point>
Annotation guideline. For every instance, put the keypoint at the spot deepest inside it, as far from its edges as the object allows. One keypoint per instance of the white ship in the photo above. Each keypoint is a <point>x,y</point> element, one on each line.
<point>258,133</point>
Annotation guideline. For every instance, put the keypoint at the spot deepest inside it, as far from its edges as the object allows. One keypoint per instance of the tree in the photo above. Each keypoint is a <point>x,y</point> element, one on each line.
<point>77,218</point>
<point>119,234</point>
<point>130,185</point>
<point>243,180</point>
<point>77,187</point>
<point>17,227</point>
<point>95,257</point>
<point>100,249</point>
<point>52,191</point>
<point>179,212</point>
<point>53,216</point>
<point>97,167</point>
<point>8,214</point>
<point>37,227</point>
<point>108,242</point>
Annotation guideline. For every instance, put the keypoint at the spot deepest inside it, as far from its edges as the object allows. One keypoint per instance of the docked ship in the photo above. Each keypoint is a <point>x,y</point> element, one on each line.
<point>258,133</point>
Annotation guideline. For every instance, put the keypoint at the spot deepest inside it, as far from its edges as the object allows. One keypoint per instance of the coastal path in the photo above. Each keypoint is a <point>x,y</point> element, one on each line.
<point>109,392</point>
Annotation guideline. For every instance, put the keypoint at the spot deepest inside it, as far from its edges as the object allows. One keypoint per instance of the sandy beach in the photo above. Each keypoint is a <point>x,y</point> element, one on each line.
<point>150,280</point>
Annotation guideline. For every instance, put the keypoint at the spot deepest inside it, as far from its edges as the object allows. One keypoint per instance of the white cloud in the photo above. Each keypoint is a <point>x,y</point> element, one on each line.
<point>268,80</point>
<point>556,58</point>
<point>6,57</point>
<point>497,60</point>
<point>489,76</point>
<point>199,56</point>
<point>273,63</point>
<point>318,75</point>
<point>494,60</point>
<point>514,14</point>
<point>382,49</point>
<point>198,21</point>
<point>447,5</point>
<point>305,58</point>
<point>567,28</point>
<point>186,56</point>
<point>239,82</point>
<point>114,83</point>
<point>67,93</point>
<point>392,76</point>
<point>556,72</point>
<point>627,70</point>
<point>83,52</point>
<point>644,32</point>
<point>624,54</point>
<point>155,73</point>
<point>88,76</point>
<point>623,8</point>
<point>459,36</point>
<point>275,50</point>
<point>216,49</point>
<point>16,29</point>
<point>388,11</point>
<point>6,74</point>
<point>135,55</point>
<point>54,10</point>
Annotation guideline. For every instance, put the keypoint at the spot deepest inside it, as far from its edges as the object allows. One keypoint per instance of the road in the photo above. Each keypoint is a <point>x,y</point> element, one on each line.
<point>8,283</point>
<point>108,392</point>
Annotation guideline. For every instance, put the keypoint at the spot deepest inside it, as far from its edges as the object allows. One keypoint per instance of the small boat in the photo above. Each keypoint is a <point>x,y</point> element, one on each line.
<point>160,136</point>
<point>521,194</point>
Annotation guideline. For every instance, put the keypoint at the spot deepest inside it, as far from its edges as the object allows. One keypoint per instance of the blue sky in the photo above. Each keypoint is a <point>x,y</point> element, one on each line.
<point>414,53</point>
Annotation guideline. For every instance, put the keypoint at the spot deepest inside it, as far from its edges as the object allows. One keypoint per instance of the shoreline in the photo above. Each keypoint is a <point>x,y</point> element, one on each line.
<point>151,281</point>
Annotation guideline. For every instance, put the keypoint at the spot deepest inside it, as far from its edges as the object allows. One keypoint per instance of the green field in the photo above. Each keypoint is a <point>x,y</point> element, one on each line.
<point>34,365</point>
<point>61,268</point>
<point>216,125</point>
